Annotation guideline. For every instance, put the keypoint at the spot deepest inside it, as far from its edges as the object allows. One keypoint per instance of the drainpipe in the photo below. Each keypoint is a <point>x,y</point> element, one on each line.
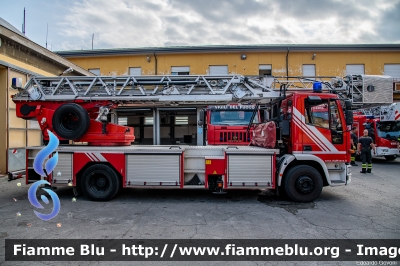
<point>155,62</point>
<point>7,118</point>
<point>287,62</point>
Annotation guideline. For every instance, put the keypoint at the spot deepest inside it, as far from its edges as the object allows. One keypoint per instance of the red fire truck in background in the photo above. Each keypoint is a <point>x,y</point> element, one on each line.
<point>383,125</point>
<point>308,143</point>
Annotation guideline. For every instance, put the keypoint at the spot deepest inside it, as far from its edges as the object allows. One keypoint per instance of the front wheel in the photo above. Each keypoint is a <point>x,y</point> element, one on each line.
<point>390,157</point>
<point>302,183</point>
<point>100,182</point>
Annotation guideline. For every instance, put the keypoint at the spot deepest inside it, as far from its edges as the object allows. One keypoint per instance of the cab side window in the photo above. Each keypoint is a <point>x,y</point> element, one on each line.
<point>317,114</point>
<point>336,124</point>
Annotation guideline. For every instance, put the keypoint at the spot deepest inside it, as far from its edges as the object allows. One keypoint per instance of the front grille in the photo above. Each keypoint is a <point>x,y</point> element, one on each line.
<point>234,136</point>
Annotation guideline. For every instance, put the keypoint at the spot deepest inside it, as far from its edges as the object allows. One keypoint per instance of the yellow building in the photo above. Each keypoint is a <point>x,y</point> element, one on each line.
<point>22,58</point>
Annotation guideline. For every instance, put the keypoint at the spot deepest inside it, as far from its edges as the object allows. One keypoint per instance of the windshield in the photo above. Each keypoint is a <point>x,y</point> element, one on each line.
<point>232,117</point>
<point>389,129</point>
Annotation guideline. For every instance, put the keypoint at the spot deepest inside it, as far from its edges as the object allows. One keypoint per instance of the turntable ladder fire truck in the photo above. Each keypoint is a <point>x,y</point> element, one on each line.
<point>309,151</point>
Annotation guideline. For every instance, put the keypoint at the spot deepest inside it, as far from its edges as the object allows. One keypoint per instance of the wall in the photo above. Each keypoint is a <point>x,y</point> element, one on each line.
<point>327,63</point>
<point>3,119</point>
<point>17,132</point>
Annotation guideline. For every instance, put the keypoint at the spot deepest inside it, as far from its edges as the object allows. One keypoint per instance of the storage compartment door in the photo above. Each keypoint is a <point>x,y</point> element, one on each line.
<point>62,173</point>
<point>250,170</point>
<point>153,170</point>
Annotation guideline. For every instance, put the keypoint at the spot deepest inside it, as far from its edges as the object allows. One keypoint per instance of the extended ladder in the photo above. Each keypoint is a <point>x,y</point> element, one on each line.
<point>147,89</point>
<point>363,90</point>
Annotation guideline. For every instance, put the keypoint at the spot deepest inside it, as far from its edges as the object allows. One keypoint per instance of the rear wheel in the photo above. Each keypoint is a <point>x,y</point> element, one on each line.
<point>390,157</point>
<point>302,183</point>
<point>100,182</point>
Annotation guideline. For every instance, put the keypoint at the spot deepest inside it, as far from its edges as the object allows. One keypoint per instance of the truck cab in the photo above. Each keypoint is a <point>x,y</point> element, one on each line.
<point>314,124</point>
<point>313,138</point>
<point>227,124</point>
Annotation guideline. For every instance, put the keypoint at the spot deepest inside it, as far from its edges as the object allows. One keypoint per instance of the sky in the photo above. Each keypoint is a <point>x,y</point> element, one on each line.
<point>160,23</point>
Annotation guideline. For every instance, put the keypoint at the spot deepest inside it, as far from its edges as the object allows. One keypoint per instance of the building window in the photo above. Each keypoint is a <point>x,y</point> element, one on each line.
<point>135,71</point>
<point>355,70</point>
<point>265,70</point>
<point>33,124</point>
<point>392,70</point>
<point>95,71</point>
<point>148,120</point>
<point>309,70</point>
<point>218,70</point>
<point>123,121</point>
<point>180,70</point>
<point>181,120</point>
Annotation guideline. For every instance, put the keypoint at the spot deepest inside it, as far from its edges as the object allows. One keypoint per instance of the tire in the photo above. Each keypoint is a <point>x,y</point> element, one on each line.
<point>302,183</point>
<point>71,121</point>
<point>100,182</point>
<point>390,157</point>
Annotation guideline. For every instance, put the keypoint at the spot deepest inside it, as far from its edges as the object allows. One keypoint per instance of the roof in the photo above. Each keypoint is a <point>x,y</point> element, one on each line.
<point>10,32</point>
<point>230,48</point>
<point>7,25</point>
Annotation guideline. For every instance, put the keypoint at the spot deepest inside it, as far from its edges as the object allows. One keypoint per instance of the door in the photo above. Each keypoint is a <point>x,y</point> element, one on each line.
<point>355,69</point>
<point>392,70</point>
<point>322,131</point>
<point>218,70</point>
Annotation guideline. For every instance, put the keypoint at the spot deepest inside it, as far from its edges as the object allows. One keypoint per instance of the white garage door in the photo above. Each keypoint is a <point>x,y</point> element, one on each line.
<point>392,70</point>
<point>218,70</point>
<point>135,71</point>
<point>355,69</point>
<point>309,70</point>
<point>180,70</point>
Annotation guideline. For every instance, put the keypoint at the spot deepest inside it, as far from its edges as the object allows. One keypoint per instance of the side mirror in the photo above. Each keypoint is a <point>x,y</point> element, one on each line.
<point>347,103</point>
<point>201,118</point>
<point>349,117</point>
<point>285,127</point>
<point>266,115</point>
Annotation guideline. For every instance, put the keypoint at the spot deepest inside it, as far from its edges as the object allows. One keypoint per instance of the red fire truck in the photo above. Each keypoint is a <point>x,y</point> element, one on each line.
<point>309,152</point>
<point>383,125</point>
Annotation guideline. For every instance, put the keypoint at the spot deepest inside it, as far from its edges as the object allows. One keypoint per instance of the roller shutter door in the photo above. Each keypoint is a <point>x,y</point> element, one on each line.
<point>218,70</point>
<point>355,70</point>
<point>392,70</point>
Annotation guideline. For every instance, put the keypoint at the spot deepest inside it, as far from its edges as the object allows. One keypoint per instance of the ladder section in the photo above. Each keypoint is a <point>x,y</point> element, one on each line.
<point>364,91</point>
<point>181,89</point>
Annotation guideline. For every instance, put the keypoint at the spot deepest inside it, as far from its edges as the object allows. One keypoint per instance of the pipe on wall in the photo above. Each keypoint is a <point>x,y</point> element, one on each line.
<point>155,62</point>
<point>7,117</point>
<point>287,62</point>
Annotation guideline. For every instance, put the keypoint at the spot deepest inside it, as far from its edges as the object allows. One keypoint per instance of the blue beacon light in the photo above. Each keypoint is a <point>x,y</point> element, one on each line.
<point>317,87</point>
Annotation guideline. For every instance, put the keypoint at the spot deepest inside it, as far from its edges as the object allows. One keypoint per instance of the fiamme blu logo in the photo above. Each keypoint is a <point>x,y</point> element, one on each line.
<point>45,171</point>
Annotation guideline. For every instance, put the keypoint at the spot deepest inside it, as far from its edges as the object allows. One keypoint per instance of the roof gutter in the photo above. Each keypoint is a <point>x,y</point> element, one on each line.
<point>230,49</point>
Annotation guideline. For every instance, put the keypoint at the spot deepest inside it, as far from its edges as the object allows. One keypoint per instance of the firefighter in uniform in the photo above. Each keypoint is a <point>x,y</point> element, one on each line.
<point>354,142</point>
<point>365,144</point>
<point>398,143</point>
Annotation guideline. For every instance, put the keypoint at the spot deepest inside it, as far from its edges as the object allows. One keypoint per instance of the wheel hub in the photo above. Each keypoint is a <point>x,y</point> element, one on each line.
<point>305,184</point>
<point>70,121</point>
<point>101,182</point>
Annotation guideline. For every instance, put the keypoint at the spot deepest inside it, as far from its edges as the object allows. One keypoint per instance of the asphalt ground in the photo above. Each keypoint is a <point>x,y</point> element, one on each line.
<point>368,208</point>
